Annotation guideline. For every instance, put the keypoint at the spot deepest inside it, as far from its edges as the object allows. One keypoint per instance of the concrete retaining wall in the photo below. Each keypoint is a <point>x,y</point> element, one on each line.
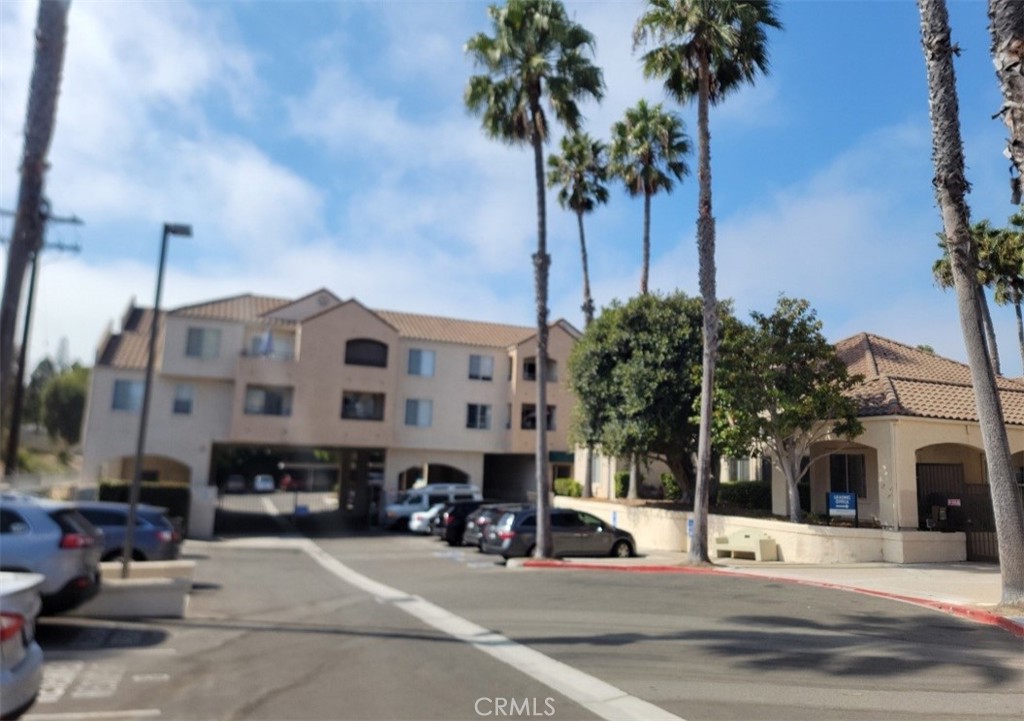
<point>659,529</point>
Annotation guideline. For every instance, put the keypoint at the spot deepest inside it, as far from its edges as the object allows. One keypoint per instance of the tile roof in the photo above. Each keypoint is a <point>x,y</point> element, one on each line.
<point>903,380</point>
<point>129,348</point>
<point>451,330</point>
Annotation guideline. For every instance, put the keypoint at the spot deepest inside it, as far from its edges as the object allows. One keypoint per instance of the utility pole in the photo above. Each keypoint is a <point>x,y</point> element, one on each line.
<point>18,400</point>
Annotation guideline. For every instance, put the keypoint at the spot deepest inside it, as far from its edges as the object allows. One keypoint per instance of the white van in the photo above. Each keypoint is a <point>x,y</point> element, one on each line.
<point>396,515</point>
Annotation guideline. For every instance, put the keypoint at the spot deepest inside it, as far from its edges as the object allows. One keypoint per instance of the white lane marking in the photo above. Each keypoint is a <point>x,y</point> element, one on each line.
<point>269,507</point>
<point>603,699</point>
<point>93,715</point>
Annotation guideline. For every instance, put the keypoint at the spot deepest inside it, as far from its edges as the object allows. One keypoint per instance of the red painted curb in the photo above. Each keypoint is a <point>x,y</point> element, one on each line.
<point>972,614</point>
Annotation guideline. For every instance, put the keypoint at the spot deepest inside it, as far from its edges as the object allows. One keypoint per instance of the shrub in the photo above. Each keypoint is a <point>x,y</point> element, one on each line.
<point>621,484</point>
<point>568,487</point>
<point>755,495</point>
<point>175,497</point>
<point>672,490</point>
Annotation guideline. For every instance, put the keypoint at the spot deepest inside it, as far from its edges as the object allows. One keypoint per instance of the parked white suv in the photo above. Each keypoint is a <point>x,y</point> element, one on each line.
<point>396,515</point>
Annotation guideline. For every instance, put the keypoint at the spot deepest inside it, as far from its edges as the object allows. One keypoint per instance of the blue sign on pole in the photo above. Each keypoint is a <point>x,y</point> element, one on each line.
<point>689,527</point>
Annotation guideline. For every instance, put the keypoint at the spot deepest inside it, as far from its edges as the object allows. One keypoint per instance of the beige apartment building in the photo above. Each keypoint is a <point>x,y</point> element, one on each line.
<point>330,393</point>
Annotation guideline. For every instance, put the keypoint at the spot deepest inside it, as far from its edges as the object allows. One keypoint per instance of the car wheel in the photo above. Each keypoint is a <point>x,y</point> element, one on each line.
<point>622,549</point>
<point>530,551</point>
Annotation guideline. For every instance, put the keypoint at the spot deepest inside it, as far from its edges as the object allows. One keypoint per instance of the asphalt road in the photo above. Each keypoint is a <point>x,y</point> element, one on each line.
<point>405,627</point>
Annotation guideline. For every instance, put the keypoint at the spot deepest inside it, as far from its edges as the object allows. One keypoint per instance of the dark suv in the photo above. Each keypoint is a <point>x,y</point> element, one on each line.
<point>574,533</point>
<point>53,539</point>
<point>452,520</point>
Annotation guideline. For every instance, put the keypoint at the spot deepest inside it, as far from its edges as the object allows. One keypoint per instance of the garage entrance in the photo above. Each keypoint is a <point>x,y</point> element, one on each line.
<point>327,489</point>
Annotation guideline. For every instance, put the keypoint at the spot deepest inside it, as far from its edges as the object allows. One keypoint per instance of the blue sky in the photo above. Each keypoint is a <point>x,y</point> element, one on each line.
<point>325,144</point>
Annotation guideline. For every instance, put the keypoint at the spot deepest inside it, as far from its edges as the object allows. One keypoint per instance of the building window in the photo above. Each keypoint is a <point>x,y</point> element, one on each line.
<point>184,395</point>
<point>419,413</point>
<point>421,362</point>
<point>127,396</point>
<point>203,343</point>
<point>481,367</point>
<point>846,474</point>
<point>366,352</point>
<point>478,416</point>
<point>359,406</point>
<point>739,469</point>
<point>530,370</point>
<point>529,417</point>
<point>268,401</point>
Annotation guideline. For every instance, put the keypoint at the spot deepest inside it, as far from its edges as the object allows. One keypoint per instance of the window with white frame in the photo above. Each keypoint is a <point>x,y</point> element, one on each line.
<point>184,397</point>
<point>481,367</point>
<point>127,395</point>
<point>203,343</point>
<point>268,401</point>
<point>528,419</point>
<point>419,412</point>
<point>847,474</point>
<point>478,415</point>
<point>362,406</point>
<point>421,362</point>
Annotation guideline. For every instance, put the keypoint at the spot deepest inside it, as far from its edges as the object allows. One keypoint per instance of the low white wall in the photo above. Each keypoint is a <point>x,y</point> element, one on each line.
<point>658,529</point>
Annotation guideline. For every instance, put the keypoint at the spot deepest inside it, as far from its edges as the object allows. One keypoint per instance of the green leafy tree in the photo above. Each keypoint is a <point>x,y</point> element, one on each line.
<point>636,375</point>
<point>64,404</point>
<point>792,392</point>
<point>647,152</point>
<point>950,185</point>
<point>34,391</point>
<point>536,54</point>
<point>704,49</point>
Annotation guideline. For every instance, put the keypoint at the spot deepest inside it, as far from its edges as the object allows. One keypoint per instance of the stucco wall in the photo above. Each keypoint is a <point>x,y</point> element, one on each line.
<point>658,529</point>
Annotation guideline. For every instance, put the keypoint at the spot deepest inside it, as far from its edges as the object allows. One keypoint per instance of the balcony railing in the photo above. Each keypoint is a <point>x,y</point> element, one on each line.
<point>275,355</point>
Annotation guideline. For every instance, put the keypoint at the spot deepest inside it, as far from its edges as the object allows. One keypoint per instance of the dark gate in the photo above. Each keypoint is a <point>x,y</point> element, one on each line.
<point>947,503</point>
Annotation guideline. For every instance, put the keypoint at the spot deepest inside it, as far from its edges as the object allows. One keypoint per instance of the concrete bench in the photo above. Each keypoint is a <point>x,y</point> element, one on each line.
<point>747,544</point>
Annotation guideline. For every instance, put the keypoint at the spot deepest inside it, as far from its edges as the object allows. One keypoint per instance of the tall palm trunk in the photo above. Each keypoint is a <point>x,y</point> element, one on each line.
<point>588,318</point>
<point>27,237</point>
<point>1006,25</point>
<point>588,300</point>
<point>706,254</point>
<point>990,331</point>
<point>950,190</point>
<point>541,263</point>
<point>646,270</point>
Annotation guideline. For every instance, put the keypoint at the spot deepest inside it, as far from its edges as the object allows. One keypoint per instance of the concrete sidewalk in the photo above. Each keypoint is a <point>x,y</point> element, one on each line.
<point>968,590</point>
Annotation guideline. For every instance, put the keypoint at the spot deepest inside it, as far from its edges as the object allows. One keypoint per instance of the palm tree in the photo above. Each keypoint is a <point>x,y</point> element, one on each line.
<point>985,239</point>
<point>1006,18</point>
<point>1007,261</point>
<point>29,220</point>
<point>647,151</point>
<point>705,49</point>
<point>951,187</point>
<point>536,53</point>
<point>580,174</point>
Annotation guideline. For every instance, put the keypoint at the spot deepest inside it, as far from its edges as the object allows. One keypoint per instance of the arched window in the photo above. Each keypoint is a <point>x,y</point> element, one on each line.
<point>366,352</point>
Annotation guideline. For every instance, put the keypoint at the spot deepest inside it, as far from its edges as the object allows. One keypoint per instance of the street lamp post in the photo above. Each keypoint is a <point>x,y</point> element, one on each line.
<point>133,496</point>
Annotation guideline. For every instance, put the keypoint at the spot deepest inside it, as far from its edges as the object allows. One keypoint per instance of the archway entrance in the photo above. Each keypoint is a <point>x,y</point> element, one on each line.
<point>953,495</point>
